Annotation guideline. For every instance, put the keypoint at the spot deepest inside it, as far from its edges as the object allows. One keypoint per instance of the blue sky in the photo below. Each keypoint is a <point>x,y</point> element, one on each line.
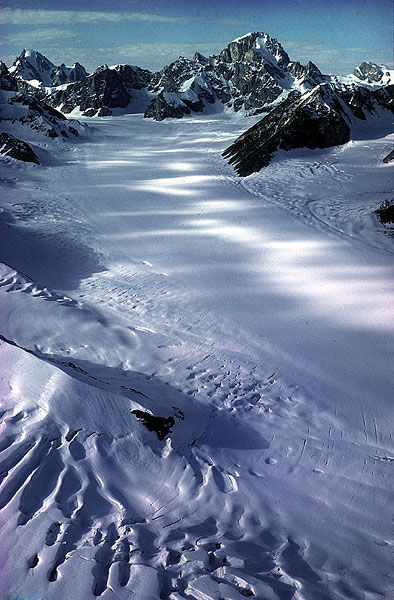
<point>335,34</point>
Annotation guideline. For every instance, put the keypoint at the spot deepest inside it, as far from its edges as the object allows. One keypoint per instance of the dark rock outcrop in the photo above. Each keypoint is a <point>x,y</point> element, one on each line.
<point>363,101</point>
<point>32,65</point>
<point>62,74</point>
<point>253,73</point>
<point>105,89</point>
<point>160,425</point>
<point>389,158</point>
<point>162,107</point>
<point>318,118</point>
<point>250,73</point>
<point>308,120</point>
<point>370,72</point>
<point>7,81</point>
<point>14,148</point>
<point>39,116</point>
<point>385,212</point>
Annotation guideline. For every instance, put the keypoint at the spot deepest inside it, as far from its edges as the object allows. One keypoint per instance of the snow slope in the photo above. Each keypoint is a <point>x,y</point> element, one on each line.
<point>254,315</point>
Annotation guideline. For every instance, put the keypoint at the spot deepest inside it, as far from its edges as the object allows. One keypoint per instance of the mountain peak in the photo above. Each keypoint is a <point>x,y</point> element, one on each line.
<point>32,65</point>
<point>256,47</point>
<point>372,73</point>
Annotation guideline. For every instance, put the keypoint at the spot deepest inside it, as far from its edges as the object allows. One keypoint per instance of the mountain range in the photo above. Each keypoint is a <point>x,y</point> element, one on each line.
<point>300,105</point>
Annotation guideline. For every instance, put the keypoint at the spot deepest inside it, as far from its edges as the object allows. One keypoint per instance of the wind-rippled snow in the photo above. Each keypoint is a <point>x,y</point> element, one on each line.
<point>255,314</point>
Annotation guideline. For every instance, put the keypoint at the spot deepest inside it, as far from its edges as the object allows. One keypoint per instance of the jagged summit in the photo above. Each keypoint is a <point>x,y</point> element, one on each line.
<point>372,73</point>
<point>253,74</point>
<point>31,66</point>
<point>257,46</point>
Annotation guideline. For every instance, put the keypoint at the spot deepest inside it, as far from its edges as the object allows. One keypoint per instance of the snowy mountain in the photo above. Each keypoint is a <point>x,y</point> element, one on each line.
<point>121,87</point>
<point>196,382</point>
<point>29,118</point>
<point>371,73</point>
<point>319,118</point>
<point>253,74</point>
<point>35,67</point>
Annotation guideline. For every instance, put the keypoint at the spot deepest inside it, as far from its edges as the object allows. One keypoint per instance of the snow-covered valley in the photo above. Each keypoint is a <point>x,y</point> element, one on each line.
<point>254,316</point>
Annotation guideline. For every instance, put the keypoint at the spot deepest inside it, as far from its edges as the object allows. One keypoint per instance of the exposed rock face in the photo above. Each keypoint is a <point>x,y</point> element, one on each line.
<point>62,74</point>
<point>254,46</point>
<point>30,118</point>
<point>38,116</point>
<point>385,212</point>
<point>14,148</point>
<point>177,104</point>
<point>319,118</point>
<point>7,82</point>
<point>105,89</point>
<point>371,72</point>
<point>307,120</point>
<point>389,158</point>
<point>363,101</point>
<point>166,105</point>
<point>32,65</point>
<point>253,73</point>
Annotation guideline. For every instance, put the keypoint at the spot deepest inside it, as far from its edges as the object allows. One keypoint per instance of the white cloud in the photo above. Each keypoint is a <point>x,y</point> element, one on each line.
<point>34,36</point>
<point>333,60</point>
<point>37,17</point>
<point>17,16</point>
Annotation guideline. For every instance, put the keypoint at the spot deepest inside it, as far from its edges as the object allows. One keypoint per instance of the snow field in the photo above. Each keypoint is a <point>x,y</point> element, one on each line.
<point>143,275</point>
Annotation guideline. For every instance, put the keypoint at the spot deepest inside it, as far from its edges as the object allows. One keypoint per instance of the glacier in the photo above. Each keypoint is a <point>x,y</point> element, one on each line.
<point>251,317</point>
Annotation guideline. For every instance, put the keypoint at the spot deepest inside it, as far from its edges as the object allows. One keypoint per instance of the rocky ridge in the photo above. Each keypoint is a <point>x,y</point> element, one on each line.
<point>27,121</point>
<point>106,89</point>
<point>320,118</point>
<point>250,74</point>
<point>31,65</point>
<point>253,73</point>
<point>303,107</point>
<point>14,148</point>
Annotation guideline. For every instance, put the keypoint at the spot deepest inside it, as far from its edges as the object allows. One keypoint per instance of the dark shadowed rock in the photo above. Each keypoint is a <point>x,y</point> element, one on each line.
<point>385,212</point>
<point>308,120</point>
<point>363,101</point>
<point>32,65</point>
<point>14,148</point>
<point>7,82</point>
<point>107,88</point>
<point>160,425</point>
<point>309,73</point>
<point>368,71</point>
<point>162,107</point>
<point>62,74</point>
<point>389,158</point>
<point>318,118</point>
